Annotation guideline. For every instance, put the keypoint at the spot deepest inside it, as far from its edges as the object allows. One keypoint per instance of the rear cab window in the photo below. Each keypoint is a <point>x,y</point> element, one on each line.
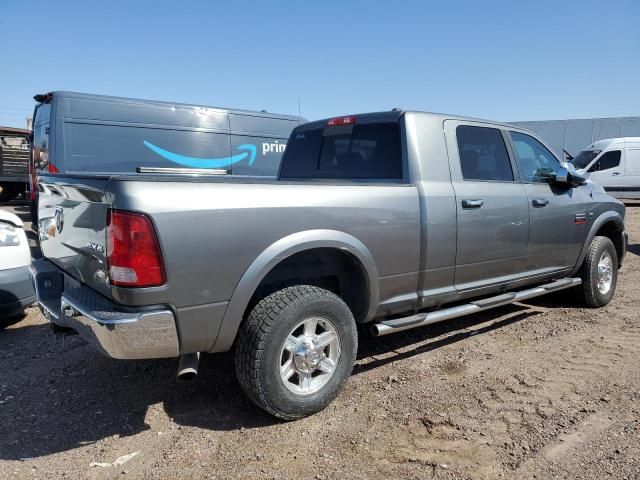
<point>358,151</point>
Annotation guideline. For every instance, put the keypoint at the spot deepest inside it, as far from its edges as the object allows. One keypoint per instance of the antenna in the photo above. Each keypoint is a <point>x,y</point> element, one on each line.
<point>299,109</point>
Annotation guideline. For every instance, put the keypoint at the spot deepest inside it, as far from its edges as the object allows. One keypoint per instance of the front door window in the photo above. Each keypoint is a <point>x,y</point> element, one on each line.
<point>535,162</point>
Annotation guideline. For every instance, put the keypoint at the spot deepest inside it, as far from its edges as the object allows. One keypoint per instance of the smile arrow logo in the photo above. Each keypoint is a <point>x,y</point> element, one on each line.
<point>195,162</point>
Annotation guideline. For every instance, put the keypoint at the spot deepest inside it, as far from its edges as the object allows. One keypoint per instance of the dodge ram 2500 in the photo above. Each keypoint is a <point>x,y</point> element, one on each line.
<point>395,219</point>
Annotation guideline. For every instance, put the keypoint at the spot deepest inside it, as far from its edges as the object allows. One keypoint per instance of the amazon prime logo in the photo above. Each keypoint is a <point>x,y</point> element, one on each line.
<point>248,151</point>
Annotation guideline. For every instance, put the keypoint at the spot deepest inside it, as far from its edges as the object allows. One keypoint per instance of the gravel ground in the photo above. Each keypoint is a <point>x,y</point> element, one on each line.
<point>538,390</point>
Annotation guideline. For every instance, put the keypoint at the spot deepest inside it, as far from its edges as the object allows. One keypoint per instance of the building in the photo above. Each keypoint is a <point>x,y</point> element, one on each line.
<point>574,135</point>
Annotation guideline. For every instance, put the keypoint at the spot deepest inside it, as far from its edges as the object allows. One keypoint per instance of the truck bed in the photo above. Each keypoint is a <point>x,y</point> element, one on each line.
<point>211,230</point>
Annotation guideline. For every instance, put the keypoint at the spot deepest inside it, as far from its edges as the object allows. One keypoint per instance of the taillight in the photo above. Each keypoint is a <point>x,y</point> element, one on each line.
<point>133,252</point>
<point>52,168</point>
<point>348,120</point>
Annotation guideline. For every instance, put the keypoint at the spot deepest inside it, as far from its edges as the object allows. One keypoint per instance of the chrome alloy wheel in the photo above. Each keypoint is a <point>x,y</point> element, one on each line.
<point>605,273</point>
<point>309,355</point>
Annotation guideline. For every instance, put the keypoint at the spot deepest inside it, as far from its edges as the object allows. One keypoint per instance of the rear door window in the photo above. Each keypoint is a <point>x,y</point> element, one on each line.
<point>367,151</point>
<point>483,154</point>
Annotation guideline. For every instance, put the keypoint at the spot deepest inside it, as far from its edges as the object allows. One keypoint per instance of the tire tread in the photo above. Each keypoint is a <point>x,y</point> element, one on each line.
<point>252,338</point>
<point>588,292</point>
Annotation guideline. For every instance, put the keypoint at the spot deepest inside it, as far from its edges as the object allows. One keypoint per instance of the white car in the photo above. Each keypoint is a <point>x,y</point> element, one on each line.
<point>16,286</point>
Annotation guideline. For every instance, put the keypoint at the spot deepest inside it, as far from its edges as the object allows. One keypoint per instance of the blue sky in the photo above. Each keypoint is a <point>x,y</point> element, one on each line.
<point>503,60</point>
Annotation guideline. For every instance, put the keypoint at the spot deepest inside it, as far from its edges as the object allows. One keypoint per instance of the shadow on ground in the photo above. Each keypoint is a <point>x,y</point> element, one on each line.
<point>56,397</point>
<point>58,394</point>
<point>635,249</point>
<point>440,335</point>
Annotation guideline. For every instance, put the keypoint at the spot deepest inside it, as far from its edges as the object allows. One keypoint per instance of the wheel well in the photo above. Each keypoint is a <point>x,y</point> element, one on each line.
<point>613,231</point>
<point>329,268</point>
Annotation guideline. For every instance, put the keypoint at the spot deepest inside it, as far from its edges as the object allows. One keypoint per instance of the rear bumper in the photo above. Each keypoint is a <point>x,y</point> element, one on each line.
<point>134,334</point>
<point>16,291</point>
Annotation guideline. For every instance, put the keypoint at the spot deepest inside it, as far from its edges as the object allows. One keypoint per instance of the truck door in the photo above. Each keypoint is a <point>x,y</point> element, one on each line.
<point>492,210</point>
<point>559,214</point>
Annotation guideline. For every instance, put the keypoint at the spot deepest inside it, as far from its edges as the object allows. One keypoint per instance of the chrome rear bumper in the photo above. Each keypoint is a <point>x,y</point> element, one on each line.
<point>119,334</point>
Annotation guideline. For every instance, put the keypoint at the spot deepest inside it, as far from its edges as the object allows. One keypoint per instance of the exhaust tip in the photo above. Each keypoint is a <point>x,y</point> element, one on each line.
<point>188,366</point>
<point>187,374</point>
<point>375,331</point>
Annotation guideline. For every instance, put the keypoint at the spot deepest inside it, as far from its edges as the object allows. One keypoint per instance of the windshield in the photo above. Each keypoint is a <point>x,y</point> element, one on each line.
<point>584,158</point>
<point>40,146</point>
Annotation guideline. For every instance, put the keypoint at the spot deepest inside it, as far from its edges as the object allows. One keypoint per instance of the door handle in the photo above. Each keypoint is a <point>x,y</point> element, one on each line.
<point>472,203</point>
<point>615,173</point>
<point>540,202</point>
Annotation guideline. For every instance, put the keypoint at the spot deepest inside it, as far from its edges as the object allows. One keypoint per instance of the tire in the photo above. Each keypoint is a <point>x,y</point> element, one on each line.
<point>598,281</point>
<point>278,341</point>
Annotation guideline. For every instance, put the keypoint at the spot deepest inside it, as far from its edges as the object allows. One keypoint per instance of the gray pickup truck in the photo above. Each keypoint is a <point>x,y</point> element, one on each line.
<point>396,220</point>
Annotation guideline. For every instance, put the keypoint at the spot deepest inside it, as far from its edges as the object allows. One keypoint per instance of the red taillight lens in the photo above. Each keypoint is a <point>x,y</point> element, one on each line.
<point>133,253</point>
<point>52,168</point>
<point>334,122</point>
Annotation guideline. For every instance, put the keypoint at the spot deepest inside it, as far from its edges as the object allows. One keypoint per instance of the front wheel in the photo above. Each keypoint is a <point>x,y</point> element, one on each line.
<point>599,273</point>
<point>295,351</point>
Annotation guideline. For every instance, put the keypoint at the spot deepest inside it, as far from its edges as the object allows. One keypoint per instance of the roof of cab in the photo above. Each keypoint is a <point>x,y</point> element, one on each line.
<point>395,114</point>
<point>108,98</point>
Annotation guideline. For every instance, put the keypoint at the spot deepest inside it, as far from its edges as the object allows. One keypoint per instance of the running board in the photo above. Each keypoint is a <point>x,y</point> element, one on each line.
<point>421,319</point>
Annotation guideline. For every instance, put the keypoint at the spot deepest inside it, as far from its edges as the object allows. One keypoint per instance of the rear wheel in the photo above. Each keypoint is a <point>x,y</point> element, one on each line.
<point>295,350</point>
<point>599,273</point>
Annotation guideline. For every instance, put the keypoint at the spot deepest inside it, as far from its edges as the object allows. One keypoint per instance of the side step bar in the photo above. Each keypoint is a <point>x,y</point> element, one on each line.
<point>421,319</point>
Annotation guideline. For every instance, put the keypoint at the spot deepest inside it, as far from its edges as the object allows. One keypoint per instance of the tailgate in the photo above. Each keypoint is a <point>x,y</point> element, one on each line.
<point>72,217</point>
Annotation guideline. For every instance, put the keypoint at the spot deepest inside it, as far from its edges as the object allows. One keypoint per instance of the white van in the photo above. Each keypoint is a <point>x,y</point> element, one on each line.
<point>614,163</point>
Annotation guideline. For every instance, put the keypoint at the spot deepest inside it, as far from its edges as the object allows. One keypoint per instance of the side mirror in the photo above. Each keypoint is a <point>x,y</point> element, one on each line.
<point>562,176</point>
<point>567,175</point>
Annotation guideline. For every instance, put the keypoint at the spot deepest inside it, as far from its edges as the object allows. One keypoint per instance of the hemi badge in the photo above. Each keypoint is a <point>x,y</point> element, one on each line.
<point>581,218</point>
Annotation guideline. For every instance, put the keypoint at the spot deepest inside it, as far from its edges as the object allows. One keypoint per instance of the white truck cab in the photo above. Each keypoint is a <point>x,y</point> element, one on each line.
<point>614,163</point>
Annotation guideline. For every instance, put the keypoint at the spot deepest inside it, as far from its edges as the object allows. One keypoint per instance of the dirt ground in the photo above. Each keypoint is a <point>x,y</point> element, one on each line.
<point>538,390</point>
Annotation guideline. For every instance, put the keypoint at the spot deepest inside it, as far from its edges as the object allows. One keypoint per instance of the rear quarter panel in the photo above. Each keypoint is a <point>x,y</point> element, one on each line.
<point>210,233</point>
